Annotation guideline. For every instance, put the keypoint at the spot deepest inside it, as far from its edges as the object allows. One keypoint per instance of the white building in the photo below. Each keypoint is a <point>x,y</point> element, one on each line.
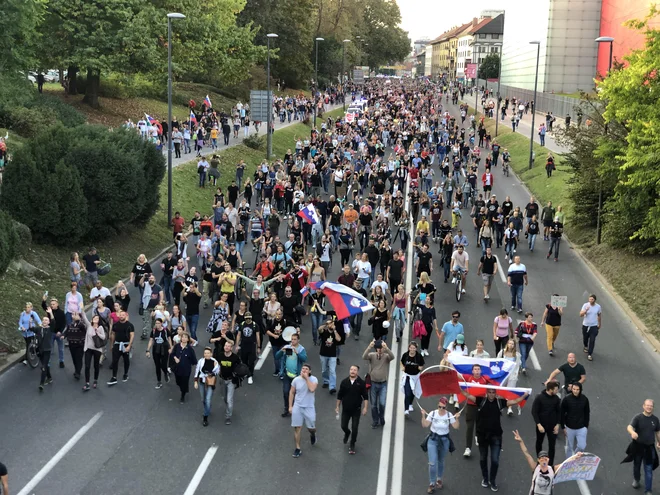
<point>477,42</point>
<point>567,30</point>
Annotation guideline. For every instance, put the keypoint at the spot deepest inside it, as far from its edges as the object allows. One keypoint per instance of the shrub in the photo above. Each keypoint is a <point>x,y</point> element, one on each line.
<point>29,122</point>
<point>24,237</point>
<point>82,183</point>
<point>9,241</point>
<point>255,141</point>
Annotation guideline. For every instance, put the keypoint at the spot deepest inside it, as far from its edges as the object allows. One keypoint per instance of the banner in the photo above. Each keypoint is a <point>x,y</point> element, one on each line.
<point>559,301</point>
<point>575,468</point>
<point>471,71</point>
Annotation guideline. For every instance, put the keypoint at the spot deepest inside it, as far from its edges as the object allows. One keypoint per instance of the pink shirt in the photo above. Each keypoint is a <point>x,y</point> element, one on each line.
<point>503,326</point>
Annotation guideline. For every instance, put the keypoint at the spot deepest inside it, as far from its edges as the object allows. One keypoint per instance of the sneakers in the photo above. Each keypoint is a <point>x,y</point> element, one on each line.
<point>113,381</point>
<point>351,449</point>
<point>453,280</point>
<point>635,484</point>
<point>86,388</point>
<point>297,453</point>
<point>250,380</point>
<point>312,438</point>
<point>124,378</point>
<point>468,452</point>
<point>333,391</point>
<point>451,399</point>
<point>228,421</point>
<point>509,412</point>
<point>407,413</point>
<point>205,421</point>
<point>61,364</point>
<point>484,483</point>
<point>589,357</point>
<point>41,387</point>
<point>476,441</point>
<point>486,297</point>
<point>159,385</point>
<point>95,384</point>
<point>25,362</point>
<point>551,353</point>
<point>286,414</point>
<point>462,291</point>
<point>494,487</point>
<point>49,381</point>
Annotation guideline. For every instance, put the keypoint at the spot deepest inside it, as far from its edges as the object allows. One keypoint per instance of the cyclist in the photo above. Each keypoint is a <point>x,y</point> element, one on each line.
<point>459,265</point>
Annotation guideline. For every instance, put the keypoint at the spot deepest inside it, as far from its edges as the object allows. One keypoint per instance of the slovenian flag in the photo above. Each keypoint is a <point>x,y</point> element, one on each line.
<point>193,119</point>
<point>494,369</point>
<point>207,100</point>
<point>505,393</point>
<point>150,119</point>
<point>308,213</point>
<point>346,302</point>
<point>304,292</point>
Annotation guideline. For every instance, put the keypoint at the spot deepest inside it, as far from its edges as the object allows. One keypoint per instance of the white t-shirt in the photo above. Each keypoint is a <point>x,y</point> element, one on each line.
<point>96,293</point>
<point>364,269</point>
<point>205,246</point>
<point>440,424</point>
<point>591,317</point>
<point>460,259</point>
<point>457,350</point>
<point>383,285</point>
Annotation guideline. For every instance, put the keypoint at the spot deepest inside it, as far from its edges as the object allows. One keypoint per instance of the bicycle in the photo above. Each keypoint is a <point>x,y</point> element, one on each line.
<point>505,168</point>
<point>458,282</point>
<point>33,353</point>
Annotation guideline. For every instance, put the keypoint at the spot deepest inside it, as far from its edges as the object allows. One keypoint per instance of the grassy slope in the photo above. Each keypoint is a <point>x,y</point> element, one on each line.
<point>613,264</point>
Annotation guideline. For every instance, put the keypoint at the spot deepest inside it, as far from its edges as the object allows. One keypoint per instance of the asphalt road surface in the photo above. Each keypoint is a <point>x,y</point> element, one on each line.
<point>134,439</point>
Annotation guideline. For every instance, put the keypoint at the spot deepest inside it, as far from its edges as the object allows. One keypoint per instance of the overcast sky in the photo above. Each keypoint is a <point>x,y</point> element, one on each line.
<point>430,18</point>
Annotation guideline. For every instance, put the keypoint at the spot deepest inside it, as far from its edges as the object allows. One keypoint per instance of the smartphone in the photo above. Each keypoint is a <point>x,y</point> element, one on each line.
<point>289,352</point>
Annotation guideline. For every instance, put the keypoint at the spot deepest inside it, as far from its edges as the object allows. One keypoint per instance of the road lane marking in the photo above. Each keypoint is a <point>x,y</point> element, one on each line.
<point>263,357</point>
<point>532,354</point>
<point>199,474</point>
<point>500,269</point>
<point>399,433</point>
<point>27,489</point>
<point>584,487</point>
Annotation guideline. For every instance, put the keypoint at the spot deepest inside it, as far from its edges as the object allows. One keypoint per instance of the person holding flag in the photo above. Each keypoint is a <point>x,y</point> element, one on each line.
<point>489,431</point>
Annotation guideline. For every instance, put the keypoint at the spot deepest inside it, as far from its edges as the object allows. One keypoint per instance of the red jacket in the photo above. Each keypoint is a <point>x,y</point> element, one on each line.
<point>492,179</point>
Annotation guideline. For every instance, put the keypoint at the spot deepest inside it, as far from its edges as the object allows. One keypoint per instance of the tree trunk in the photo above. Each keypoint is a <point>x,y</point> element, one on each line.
<point>72,84</point>
<point>92,88</point>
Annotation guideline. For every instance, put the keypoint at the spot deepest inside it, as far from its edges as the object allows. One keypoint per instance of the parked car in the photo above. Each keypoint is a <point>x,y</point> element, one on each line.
<point>52,76</point>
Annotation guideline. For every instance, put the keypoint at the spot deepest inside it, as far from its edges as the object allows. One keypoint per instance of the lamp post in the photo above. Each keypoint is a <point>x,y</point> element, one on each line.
<point>170,16</point>
<point>536,81</point>
<point>316,77</point>
<point>343,59</point>
<point>476,77</point>
<point>269,117</point>
<point>599,227</point>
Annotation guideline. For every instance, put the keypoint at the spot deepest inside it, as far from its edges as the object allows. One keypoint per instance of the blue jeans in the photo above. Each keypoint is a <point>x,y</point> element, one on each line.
<point>484,244</point>
<point>286,389</point>
<point>579,435</point>
<point>317,321</point>
<point>207,394</point>
<point>516,296</point>
<point>356,323</point>
<point>328,371</point>
<point>437,450</point>
<point>648,471</point>
<point>554,245</point>
<point>589,335</point>
<point>366,283</point>
<point>60,346</point>
<point>525,347</point>
<point>509,247</point>
<point>192,325</point>
<point>495,444</point>
<point>542,139</point>
<point>167,288</point>
<point>202,179</point>
<point>532,241</point>
<point>278,362</point>
<point>377,397</point>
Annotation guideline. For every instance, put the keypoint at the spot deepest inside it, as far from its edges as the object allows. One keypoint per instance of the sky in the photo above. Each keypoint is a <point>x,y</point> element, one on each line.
<point>430,18</point>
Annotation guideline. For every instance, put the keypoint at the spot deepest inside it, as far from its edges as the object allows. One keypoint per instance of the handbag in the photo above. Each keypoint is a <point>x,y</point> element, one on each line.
<point>98,341</point>
<point>425,443</point>
<point>367,381</point>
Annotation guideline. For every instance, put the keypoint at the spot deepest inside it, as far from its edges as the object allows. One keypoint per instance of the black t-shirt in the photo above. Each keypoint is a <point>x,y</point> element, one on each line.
<point>572,375</point>
<point>289,304</point>
<point>89,260</point>
<point>645,427</point>
<point>507,206</point>
<point>532,209</point>
<point>123,331</point>
<point>192,303</point>
<point>227,365</point>
<point>428,316</point>
<point>190,279</point>
<point>207,273</point>
<point>328,343</point>
<point>553,318</point>
<point>140,269</point>
<point>232,191</point>
<point>365,219</point>
<point>533,228</point>
<point>248,333</point>
<point>169,266</point>
<point>488,264</point>
<point>220,344</point>
<point>396,269</point>
<point>424,261</point>
<point>488,416</point>
<point>411,364</point>
<point>155,296</point>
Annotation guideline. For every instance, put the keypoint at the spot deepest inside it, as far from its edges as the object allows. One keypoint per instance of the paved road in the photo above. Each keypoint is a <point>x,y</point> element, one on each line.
<point>145,441</point>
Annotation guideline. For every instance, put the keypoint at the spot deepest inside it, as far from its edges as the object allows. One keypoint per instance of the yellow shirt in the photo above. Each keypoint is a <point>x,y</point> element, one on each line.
<point>214,133</point>
<point>423,225</point>
<point>226,285</point>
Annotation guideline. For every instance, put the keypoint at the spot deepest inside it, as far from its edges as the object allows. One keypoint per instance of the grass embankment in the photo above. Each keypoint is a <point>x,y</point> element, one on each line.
<point>123,250</point>
<point>613,264</point>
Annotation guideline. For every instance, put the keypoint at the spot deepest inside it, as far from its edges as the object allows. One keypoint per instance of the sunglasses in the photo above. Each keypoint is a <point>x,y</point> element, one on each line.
<point>442,407</point>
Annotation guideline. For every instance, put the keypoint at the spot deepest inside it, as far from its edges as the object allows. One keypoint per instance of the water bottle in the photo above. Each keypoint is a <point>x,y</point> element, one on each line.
<point>337,417</point>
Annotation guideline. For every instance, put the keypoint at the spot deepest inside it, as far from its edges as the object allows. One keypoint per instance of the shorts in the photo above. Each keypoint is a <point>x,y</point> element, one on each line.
<point>91,278</point>
<point>547,223</point>
<point>488,279</point>
<point>303,415</point>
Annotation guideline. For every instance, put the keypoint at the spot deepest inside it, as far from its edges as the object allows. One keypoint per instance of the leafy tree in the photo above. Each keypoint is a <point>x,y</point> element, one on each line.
<point>490,67</point>
<point>9,241</point>
<point>387,42</point>
<point>19,34</point>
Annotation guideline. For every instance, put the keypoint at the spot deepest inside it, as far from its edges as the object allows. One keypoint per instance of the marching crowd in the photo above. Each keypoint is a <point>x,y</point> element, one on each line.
<point>357,189</point>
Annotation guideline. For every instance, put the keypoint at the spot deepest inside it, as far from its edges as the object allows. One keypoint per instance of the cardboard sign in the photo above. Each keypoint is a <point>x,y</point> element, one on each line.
<point>559,301</point>
<point>578,468</point>
<point>350,117</point>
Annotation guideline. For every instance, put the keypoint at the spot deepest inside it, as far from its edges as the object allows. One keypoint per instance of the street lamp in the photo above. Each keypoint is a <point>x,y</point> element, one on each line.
<point>269,118</point>
<point>536,81</point>
<point>476,77</point>
<point>343,58</point>
<point>173,15</point>
<point>316,77</point>
<point>599,227</point>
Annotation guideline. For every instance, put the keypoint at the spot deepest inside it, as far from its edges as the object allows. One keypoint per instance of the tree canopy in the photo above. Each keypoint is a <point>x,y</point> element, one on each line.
<point>490,67</point>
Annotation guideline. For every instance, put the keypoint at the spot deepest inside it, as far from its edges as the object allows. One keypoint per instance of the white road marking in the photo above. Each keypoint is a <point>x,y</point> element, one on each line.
<point>532,355</point>
<point>500,269</point>
<point>199,474</point>
<point>584,487</point>
<point>264,355</point>
<point>27,489</point>
<point>397,458</point>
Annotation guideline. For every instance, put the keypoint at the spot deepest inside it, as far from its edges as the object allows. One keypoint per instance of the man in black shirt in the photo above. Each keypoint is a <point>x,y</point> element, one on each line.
<point>121,342</point>
<point>547,416</point>
<point>356,319</point>
<point>394,273</point>
<point>487,269</point>
<point>248,340</point>
<point>167,265</point>
<point>232,193</point>
<point>91,262</point>
<point>192,297</point>
<point>531,209</point>
<point>228,362</point>
<point>352,397</point>
<point>643,429</point>
<point>151,297</point>
<point>424,261</point>
<point>573,372</point>
<point>489,432</point>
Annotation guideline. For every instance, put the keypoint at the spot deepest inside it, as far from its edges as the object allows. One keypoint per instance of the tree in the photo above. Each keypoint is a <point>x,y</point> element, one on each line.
<point>19,33</point>
<point>8,241</point>
<point>387,42</point>
<point>489,68</point>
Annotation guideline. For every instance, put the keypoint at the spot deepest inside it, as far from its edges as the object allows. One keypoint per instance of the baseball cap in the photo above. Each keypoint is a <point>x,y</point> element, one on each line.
<point>543,453</point>
<point>460,339</point>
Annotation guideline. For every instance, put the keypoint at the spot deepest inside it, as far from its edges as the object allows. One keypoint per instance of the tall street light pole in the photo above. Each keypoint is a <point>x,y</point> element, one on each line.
<point>536,81</point>
<point>170,16</point>
<point>269,117</point>
<point>343,59</point>
<point>316,78</point>
<point>599,226</point>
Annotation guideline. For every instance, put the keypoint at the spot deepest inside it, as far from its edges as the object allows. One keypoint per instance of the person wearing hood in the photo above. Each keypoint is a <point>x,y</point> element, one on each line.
<point>575,419</point>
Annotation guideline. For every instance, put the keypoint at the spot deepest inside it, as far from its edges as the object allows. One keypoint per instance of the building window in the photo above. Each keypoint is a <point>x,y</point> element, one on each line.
<point>482,36</point>
<point>496,36</point>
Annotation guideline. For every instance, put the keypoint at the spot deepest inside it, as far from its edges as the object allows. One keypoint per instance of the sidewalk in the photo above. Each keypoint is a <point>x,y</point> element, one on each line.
<point>207,150</point>
<point>525,126</point>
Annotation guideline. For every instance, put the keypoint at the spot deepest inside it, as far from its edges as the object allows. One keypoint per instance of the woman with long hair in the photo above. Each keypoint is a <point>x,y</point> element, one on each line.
<point>526,333</point>
<point>161,343</point>
<point>183,357</point>
<point>510,353</point>
<point>502,329</point>
<point>206,374</point>
<point>438,441</point>
<point>92,350</point>
<point>345,246</point>
<point>379,319</point>
<point>399,311</point>
<point>446,250</point>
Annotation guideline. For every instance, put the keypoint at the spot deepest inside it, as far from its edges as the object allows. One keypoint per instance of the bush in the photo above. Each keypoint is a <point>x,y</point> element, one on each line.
<point>255,141</point>
<point>62,111</point>
<point>29,122</point>
<point>97,183</point>
<point>9,241</point>
<point>24,237</point>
